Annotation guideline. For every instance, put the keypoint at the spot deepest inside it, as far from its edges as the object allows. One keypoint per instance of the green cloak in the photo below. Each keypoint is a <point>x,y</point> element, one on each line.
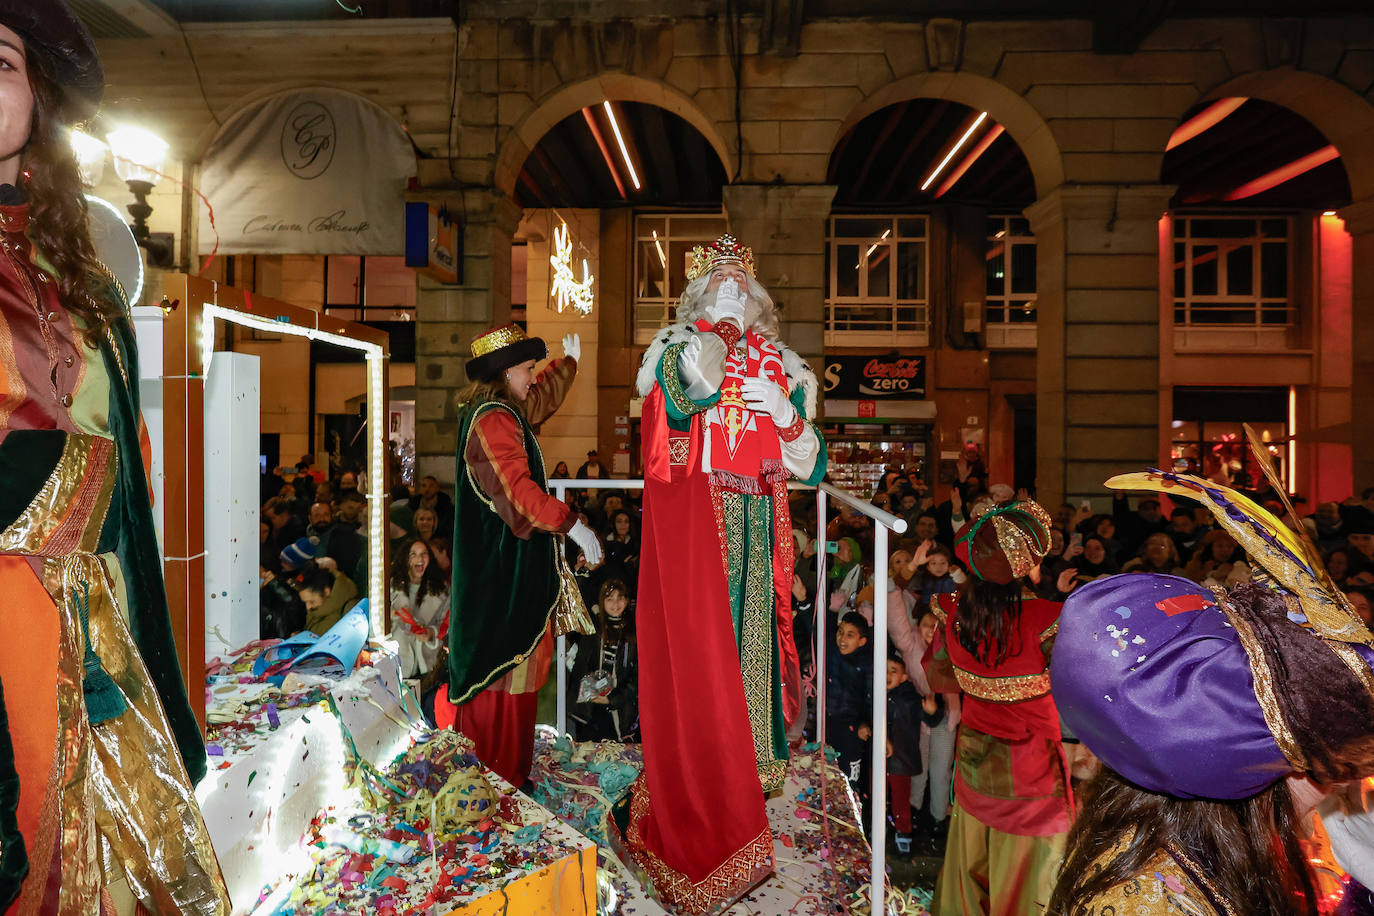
<point>505,588</point>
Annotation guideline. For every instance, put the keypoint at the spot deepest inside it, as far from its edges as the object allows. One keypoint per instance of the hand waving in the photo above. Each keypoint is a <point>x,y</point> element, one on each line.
<point>572,347</point>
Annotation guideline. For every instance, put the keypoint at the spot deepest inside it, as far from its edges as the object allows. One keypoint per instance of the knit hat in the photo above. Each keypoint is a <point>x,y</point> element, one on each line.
<point>50,28</point>
<point>296,555</point>
<point>499,349</point>
<point>1005,542</point>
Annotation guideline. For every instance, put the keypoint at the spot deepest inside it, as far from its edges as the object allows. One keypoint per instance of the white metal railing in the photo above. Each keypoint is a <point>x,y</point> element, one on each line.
<point>885,522</point>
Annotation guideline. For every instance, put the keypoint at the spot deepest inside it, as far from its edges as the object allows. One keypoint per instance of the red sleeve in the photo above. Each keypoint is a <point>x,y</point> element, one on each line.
<point>496,453</point>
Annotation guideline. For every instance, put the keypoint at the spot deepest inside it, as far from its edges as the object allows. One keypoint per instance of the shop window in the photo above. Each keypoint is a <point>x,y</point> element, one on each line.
<point>1010,269</point>
<point>663,247</point>
<point>369,289</point>
<point>1232,281</point>
<point>1207,437</point>
<point>878,270</point>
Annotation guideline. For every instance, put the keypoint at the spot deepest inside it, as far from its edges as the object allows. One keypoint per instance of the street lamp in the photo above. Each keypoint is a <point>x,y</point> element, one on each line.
<point>139,155</point>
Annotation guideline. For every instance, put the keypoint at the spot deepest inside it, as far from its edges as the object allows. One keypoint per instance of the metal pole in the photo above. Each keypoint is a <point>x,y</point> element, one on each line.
<point>879,724</point>
<point>822,608</point>
<point>560,655</point>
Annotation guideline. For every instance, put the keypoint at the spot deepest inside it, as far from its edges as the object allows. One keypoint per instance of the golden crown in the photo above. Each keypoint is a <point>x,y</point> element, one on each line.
<point>497,338</point>
<point>722,250</point>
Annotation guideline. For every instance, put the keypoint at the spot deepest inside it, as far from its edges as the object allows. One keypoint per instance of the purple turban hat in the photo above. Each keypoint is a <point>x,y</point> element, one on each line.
<point>1193,695</point>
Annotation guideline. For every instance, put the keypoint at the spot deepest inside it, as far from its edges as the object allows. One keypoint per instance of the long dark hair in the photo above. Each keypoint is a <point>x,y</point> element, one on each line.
<point>989,619</point>
<point>1249,847</point>
<point>57,208</point>
<point>431,583</point>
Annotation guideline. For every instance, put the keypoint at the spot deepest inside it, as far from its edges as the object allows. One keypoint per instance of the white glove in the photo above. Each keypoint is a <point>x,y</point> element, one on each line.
<point>586,538</point>
<point>572,347</point>
<point>729,303</point>
<point>766,396</point>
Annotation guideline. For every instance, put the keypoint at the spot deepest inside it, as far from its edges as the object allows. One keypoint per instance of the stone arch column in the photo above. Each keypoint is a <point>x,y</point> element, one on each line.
<point>526,133</point>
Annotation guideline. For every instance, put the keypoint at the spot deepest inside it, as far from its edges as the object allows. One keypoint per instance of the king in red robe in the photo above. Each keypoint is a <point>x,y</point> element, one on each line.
<point>726,423</point>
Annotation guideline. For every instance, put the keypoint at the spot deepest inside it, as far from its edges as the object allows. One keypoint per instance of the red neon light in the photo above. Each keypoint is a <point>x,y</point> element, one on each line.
<point>1206,119</point>
<point>605,151</point>
<point>972,157</point>
<point>1285,173</point>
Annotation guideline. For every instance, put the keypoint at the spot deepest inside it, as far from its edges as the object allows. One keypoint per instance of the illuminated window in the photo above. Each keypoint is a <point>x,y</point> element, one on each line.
<point>1010,269</point>
<point>663,244</point>
<point>878,281</point>
<point>1207,437</point>
<point>1233,272</point>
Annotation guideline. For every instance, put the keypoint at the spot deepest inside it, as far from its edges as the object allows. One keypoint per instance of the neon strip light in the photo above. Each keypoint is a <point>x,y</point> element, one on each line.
<point>377,517</point>
<point>605,150</point>
<point>1292,468</point>
<point>988,139</point>
<point>1204,120</point>
<point>874,247</point>
<point>1285,173</point>
<point>662,260</point>
<point>958,146</point>
<point>610,113</point>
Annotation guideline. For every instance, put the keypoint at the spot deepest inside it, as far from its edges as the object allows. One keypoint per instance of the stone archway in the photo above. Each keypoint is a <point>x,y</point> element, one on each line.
<point>569,99</point>
<point>1341,114</point>
<point>1025,125</point>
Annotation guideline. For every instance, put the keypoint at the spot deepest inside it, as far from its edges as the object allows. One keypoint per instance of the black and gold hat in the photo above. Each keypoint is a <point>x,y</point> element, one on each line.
<point>499,349</point>
<point>52,30</point>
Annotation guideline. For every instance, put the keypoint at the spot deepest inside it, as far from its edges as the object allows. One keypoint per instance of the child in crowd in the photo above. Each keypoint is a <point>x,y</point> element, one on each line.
<point>932,573</point>
<point>938,730</point>
<point>605,672</point>
<point>906,711</point>
<point>849,696</point>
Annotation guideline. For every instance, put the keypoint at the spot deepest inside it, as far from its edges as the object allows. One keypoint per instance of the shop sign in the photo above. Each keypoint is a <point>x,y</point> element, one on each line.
<point>891,376</point>
<point>433,240</point>
<point>868,409</point>
<point>317,171</point>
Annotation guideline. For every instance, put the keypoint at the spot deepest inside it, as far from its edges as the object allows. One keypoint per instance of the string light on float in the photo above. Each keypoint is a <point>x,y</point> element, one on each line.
<point>376,385</point>
<point>566,291</point>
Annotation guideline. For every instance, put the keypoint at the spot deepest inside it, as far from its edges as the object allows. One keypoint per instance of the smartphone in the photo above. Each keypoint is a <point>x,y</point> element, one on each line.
<point>1077,539</point>
<point>832,546</point>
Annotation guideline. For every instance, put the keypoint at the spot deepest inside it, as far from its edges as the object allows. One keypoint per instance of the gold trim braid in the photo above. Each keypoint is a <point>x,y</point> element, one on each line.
<point>492,341</point>
<point>1265,692</point>
<point>1004,689</point>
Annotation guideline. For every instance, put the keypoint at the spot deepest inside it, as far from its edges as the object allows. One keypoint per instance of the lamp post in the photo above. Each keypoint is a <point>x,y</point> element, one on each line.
<point>139,156</point>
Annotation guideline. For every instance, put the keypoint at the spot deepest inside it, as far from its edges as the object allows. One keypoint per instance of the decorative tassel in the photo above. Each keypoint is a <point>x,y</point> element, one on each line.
<point>104,700</point>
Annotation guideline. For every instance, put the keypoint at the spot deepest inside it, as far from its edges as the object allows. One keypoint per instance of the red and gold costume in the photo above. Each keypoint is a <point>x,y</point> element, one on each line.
<point>719,673</point>
<point>508,574</point>
<point>1012,798</point>
<point>100,734</point>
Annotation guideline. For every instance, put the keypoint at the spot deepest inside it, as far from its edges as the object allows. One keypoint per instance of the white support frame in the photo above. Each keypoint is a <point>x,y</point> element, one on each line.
<point>375,356</point>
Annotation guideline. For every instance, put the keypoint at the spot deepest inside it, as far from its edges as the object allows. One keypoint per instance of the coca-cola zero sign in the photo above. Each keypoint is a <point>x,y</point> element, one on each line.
<point>893,375</point>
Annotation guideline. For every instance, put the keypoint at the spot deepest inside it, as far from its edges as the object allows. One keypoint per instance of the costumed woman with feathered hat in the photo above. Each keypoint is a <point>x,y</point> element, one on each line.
<point>99,749</point>
<point>1222,716</point>
<point>512,590</point>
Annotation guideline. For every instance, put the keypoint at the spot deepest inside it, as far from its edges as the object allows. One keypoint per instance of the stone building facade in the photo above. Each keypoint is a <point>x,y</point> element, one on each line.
<point>1092,127</point>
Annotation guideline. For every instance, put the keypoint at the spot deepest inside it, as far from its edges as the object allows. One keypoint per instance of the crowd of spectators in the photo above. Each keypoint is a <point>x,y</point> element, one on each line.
<point>314,566</point>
